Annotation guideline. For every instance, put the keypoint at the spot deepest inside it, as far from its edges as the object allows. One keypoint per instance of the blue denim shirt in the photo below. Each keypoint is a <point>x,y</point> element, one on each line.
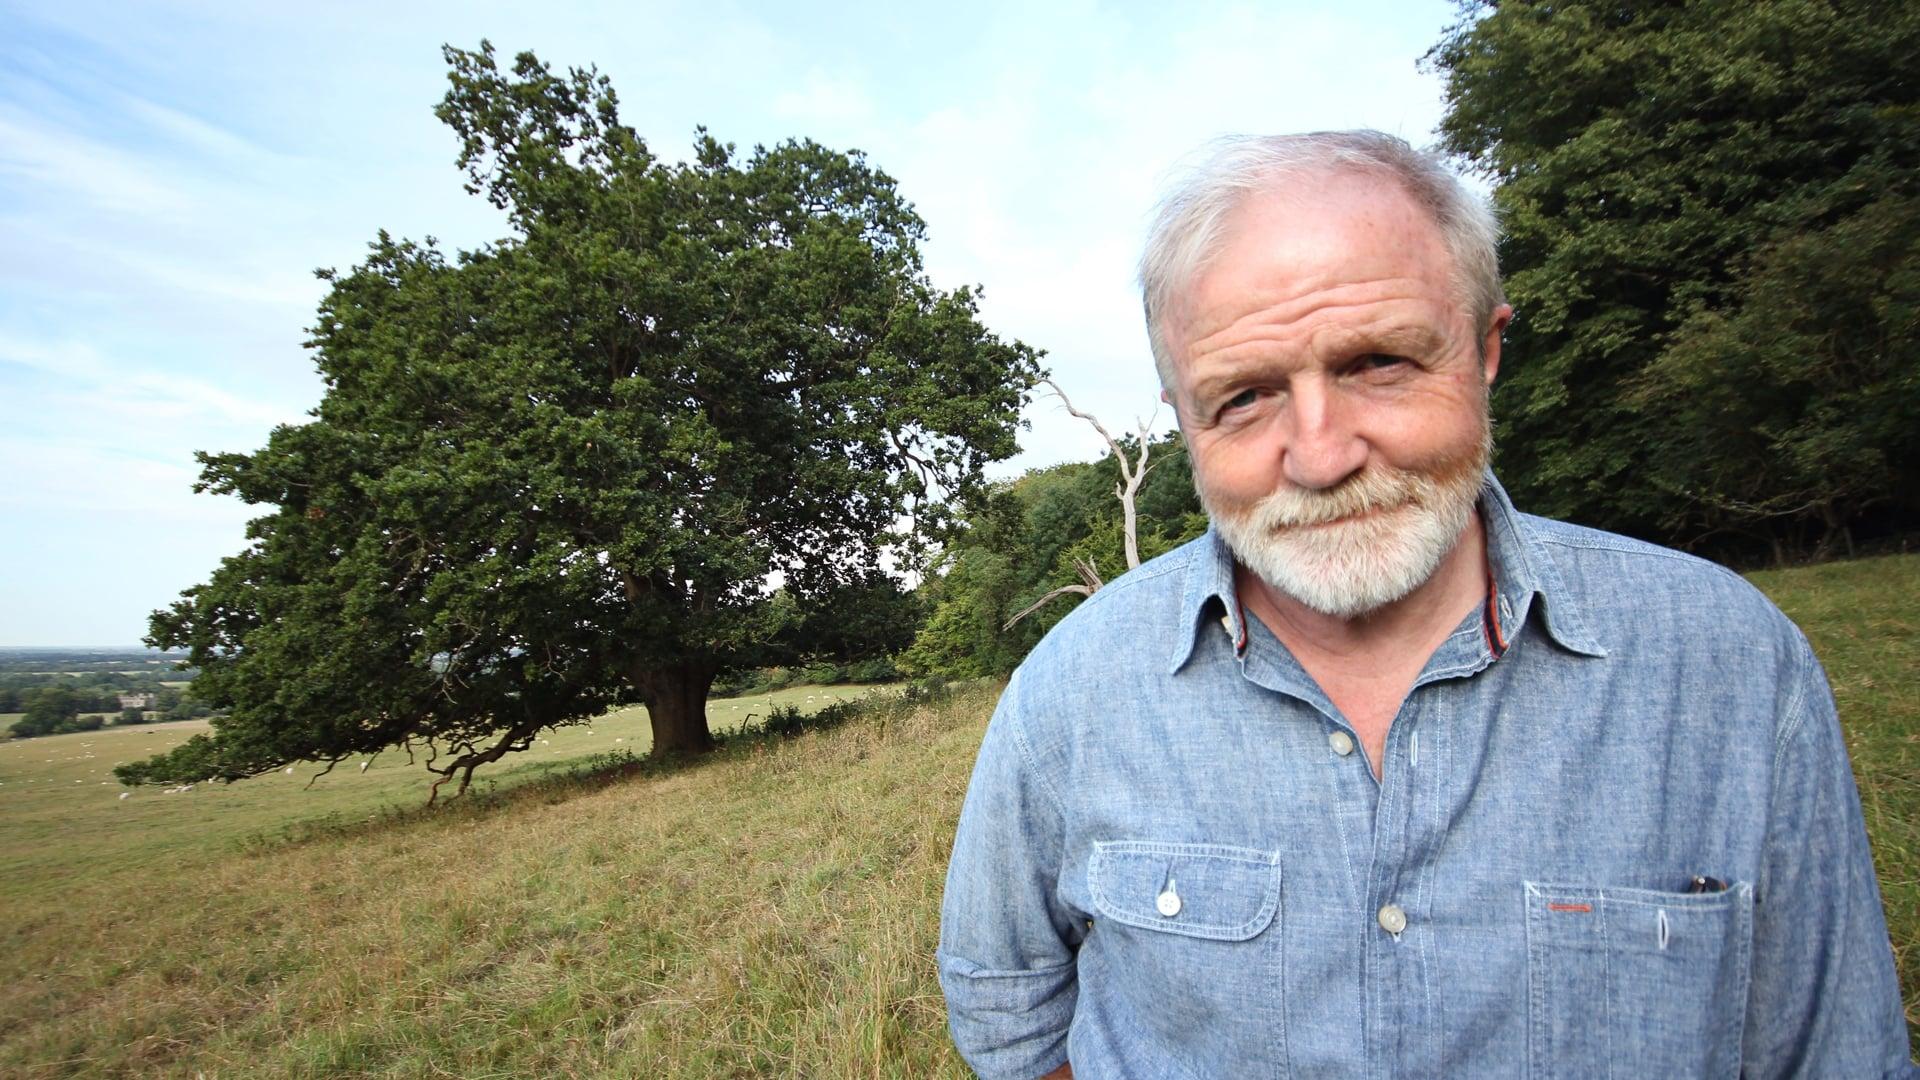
<point>1173,861</point>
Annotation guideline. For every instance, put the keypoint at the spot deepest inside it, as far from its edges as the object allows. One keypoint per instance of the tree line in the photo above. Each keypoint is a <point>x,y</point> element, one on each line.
<point>1712,246</point>
<point>82,704</point>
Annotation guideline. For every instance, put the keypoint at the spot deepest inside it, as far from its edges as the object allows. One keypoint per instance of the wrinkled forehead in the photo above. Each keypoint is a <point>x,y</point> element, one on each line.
<point>1343,230</point>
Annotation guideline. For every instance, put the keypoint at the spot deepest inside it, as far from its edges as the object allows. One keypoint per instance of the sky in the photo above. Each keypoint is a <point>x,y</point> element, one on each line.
<point>172,173</point>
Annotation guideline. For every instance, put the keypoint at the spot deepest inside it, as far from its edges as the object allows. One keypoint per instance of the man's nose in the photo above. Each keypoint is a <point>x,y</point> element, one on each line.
<point>1325,447</point>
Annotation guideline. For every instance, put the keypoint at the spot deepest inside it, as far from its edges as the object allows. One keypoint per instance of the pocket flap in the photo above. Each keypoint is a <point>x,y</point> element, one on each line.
<point>1222,893</point>
<point>1685,926</point>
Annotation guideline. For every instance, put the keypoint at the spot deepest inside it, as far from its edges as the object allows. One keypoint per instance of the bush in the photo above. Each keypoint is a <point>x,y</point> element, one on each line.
<point>787,721</point>
<point>880,669</point>
<point>823,673</point>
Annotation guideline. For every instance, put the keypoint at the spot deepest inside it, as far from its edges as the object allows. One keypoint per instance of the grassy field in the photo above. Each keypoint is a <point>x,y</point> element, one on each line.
<point>62,818</point>
<point>769,911</point>
<point>1863,618</point>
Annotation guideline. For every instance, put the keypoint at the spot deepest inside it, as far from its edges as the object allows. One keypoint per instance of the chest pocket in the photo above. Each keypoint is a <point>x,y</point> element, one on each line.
<point>1629,983</point>
<point>1185,954</point>
<point>1191,890</point>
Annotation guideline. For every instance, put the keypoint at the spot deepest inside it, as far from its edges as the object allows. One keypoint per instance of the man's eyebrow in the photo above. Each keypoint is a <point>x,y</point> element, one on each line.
<point>1393,339</point>
<point>1396,339</point>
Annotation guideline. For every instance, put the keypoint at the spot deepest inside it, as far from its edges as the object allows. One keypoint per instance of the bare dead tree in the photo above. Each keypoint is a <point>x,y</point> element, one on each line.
<point>1132,472</point>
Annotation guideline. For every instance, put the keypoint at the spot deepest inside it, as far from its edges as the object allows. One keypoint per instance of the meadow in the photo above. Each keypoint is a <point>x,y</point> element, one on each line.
<point>770,910</point>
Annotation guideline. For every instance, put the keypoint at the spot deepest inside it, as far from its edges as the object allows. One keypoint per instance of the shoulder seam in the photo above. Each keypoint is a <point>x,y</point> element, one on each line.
<point>1795,712</point>
<point>1635,547</point>
<point>1027,755</point>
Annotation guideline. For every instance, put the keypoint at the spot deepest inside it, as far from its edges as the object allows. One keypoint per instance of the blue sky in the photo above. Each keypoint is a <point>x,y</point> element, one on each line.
<point>172,172</point>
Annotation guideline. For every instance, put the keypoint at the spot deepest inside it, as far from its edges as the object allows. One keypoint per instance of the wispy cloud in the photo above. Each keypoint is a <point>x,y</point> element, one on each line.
<point>58,163</point>
<point>85,384</point>
<point>825,97</point>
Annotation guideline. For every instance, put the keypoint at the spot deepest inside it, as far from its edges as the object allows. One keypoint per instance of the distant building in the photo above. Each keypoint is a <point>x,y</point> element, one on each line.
<point>136,701</point>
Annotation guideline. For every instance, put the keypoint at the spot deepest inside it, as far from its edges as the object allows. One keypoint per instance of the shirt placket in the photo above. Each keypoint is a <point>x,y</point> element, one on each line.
<point>1397,935</point>
<point>1409,828</point>
<point>1389,830</point>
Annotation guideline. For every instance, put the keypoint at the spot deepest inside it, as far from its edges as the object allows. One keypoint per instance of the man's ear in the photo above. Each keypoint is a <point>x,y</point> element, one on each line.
<point>1490,344</point>
<point>1165,397</point>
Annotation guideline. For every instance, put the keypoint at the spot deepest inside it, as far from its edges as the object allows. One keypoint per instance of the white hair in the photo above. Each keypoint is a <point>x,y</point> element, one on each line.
<point>1187,230</point>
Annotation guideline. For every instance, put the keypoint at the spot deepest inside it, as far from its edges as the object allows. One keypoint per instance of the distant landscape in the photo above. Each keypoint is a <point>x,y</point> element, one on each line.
<point>58,691</point>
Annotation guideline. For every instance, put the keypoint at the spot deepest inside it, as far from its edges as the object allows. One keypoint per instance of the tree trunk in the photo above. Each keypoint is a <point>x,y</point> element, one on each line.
<point>676,699</point>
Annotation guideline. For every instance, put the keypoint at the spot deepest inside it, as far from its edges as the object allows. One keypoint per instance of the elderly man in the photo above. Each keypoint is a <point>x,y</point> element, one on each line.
<point>1381,777</point>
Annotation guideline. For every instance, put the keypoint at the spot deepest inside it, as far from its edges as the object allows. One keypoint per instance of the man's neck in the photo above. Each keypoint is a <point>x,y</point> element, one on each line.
<point>1367,665</point>
<point>1415,624</point>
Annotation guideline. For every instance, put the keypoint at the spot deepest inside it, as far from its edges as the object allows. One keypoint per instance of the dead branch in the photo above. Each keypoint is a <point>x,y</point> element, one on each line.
<point>1038,604</point>
<point>1132,472</point>
<point>1088,574</point>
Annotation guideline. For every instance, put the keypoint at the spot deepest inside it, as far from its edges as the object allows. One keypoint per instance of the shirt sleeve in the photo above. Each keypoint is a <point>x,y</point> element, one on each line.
<point>1824,1000</point>
<point>1007,946</point>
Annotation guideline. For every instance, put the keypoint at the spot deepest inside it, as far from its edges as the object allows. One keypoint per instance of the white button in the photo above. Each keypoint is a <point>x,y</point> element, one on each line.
<point>1342,743</point>
<point>1168,903</point>
<point>1392,919</point>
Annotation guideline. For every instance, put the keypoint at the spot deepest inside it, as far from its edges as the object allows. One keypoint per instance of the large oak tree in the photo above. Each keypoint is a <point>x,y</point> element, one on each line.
<point>559,471</point>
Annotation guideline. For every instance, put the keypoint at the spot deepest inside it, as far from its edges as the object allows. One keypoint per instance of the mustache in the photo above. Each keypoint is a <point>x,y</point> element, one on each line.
<point>1374,489</point>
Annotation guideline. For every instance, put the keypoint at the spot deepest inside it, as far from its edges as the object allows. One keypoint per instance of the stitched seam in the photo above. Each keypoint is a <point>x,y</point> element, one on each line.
<point>1033,763</point>
<point>1795,712</point>
<point>1636,549</point>
<point>975,972</point>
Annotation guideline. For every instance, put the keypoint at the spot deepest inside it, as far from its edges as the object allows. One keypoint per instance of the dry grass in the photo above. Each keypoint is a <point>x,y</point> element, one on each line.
<point>771,911</point>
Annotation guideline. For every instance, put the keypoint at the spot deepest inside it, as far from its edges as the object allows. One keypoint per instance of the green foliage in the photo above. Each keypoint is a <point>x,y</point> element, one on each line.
<point>1710,249</point>
<point>554,473</point>
<point>1802,405</point>
<point>1022,542</point>
<point>49,711</point>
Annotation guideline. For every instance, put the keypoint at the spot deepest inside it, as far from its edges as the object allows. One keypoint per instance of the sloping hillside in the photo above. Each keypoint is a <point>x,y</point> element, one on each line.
<point>772,911</point>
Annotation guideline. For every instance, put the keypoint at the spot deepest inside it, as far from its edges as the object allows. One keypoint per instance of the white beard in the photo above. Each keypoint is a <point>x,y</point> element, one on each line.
<point>1411,521</point>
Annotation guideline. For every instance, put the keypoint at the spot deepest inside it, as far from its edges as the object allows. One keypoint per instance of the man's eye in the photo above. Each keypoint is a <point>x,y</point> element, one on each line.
<point>1381,361</point>
<point>1243,399</point>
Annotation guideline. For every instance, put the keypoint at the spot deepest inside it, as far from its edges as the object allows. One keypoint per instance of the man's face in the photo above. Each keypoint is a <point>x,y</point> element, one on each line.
<point>1333,393</point>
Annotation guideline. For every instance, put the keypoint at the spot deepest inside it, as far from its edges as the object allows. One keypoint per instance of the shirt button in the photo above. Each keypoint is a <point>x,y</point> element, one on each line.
<point>1392,919</point>
<point>1168,903</point>
<point>1341,742</point>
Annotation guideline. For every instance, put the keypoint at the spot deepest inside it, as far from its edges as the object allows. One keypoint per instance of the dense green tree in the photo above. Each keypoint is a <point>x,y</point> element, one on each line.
<point>1025,539</point>
<point>48,710</point>
<point>556,473</point>
<point>868,620</point>
<point>1710,249</point>
<point>1798,411</point>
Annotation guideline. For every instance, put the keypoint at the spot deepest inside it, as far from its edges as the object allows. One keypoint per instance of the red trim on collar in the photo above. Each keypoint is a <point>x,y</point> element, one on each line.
<point>1496,639</point>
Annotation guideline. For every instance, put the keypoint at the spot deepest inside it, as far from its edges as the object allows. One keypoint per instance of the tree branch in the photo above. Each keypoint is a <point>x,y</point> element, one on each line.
<point>1132,472</point>
<point>1083,590</point>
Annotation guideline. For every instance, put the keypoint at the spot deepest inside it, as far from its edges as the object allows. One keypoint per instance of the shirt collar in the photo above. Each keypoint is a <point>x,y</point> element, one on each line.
<point>1522,574</point>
